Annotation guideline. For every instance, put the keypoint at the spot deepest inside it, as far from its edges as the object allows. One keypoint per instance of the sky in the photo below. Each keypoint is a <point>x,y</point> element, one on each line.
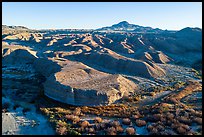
<point>93,15</point>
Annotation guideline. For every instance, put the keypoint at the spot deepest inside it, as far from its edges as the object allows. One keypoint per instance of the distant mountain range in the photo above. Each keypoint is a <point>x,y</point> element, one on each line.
<point>123,26</point>
<point>13,27</point>
<point>189,32</point>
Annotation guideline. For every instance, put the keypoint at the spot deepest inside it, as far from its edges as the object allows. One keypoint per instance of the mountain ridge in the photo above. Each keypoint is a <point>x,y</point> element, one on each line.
<point>121,26</point>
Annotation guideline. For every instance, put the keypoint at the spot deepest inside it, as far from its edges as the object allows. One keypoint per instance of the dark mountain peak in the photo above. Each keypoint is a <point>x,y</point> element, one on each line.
<point>123,23</point>
<point>125,26</point>
<point>189,29</point>
<point>189,32</point>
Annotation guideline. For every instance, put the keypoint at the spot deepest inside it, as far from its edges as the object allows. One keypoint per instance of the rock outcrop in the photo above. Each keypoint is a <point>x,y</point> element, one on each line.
<point>17,56</point>
<point>78,84</point>
<point>157,57</point>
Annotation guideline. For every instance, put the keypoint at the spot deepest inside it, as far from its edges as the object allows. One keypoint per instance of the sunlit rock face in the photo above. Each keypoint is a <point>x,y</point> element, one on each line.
<point>95,67</point>
<point>78,84</point>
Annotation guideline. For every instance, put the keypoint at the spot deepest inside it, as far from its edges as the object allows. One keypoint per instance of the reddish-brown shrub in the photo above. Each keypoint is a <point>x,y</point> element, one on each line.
<point>170,116</point>
<point>181,130</point>
<point>198,114</point>
<point>130,131</point>
<point>69,117</point>
<point>84,124</point>
<point>81,130</point>
<point>185,126</point>
<point>150,127</point>
<point>98,120</point>
<point>115,123</point>
<point>198,120</point>
<point>91,130</point>
<point>61,130</point>
<point>119,129</point>
<point>75,119</point>
<point>136,116</point>
<point>111,131</point>
<point>152,93</point>
<point>184,120</point>
<point>126,121</point>
<point>157,117</point>
<point>77,111</point>
<point>140,123</point>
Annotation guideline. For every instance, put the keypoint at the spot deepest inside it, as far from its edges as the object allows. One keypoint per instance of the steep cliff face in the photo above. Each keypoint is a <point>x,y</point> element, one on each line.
<point>78,84</point>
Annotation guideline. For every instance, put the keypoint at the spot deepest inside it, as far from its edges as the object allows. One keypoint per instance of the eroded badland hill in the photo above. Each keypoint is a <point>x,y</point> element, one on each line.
<point>122,79</point>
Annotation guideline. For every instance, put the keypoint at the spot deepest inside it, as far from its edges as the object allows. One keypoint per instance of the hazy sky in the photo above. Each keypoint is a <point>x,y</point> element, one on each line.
<point>92,15</point>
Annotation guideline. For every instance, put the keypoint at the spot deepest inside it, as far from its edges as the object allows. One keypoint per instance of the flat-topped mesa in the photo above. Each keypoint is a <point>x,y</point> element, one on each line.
<point>77,84</point>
